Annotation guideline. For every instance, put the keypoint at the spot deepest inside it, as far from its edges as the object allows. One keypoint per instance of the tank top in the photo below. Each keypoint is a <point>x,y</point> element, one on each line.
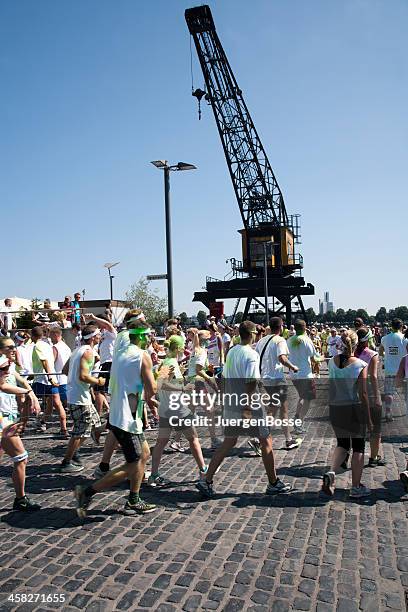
<point>78,392</point>
<point>64,353</point>
<point>343,386</point>
<point>126,379</point>
<point>366,355</point>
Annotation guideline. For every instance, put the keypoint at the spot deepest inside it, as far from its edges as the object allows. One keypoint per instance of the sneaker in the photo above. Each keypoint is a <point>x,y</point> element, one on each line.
<point>293,443</point>
<point>360,491</point>
<point>215,443</point>
<point>404,480</point>
<point>25,504</point>
<point>64,434</point>
<point>146,476</point>
<point>203,472</point>
<point>206,489</point>
<point>82,500</point>
<point>256,446</point>
<point>344,465</point>
<point>157,481</point>
<point>177,447</point>
<point>70,468</point>
<point>299,431</point>
<point>140,507</point>
<point>76,459</point>
<point>41,426</point>
<point>389,418</point>
<point>280,486</point>
<point>328,483</point>
<point>98,473</point>
<point>377,461</point>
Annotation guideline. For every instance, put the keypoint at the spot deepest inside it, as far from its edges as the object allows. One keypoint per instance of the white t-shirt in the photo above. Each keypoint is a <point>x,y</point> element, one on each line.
<point>125,379</point>
<point>395,347</point>
<point>242,362</point>
<point>106,345</point>
<point>6,317</point>
<point>271,367</point>
<point>301,350</point>
<point>78,392</point>
<point>333,345</point>
<point>63,354</point>
<point>213,351</point>
<point>25,357</point>
<point>42,351</point>
<point>226,340</point>
<point>197,358</point>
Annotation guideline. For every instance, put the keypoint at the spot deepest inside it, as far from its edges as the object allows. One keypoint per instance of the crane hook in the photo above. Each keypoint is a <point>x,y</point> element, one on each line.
<point>199,94</point>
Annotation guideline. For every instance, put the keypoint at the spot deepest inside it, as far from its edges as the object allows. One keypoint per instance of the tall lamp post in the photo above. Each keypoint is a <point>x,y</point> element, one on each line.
<point>163,165</point>
<point>109,266</point>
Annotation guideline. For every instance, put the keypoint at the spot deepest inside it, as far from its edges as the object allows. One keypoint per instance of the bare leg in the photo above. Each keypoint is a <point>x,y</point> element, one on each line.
<point>73,446</point>
<point>133,471</point>
<point>268,458</point>
<point>160,444</point>
<point>219,456</point>
<point>109,447</point>
<point>57,404</point>
<point>357,464</point>
<point>13,447</point>
<point>195,447</point>
<point>374,446</point>
<point>338,457</point>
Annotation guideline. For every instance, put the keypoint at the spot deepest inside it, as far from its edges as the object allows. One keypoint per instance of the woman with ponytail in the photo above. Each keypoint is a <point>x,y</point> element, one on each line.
<point>349,413</point>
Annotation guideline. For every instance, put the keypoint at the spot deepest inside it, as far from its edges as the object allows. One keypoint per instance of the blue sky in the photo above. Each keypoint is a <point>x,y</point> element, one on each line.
<point>93,91</point>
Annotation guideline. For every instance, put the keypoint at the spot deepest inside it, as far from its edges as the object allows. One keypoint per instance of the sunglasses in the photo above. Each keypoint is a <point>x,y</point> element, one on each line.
<point>10,347</point>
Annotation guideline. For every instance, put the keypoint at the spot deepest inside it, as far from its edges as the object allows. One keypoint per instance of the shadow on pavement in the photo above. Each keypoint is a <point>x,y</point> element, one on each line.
<point>51,518</point>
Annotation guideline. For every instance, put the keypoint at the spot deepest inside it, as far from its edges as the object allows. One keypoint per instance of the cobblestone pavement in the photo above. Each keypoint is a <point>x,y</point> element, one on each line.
<point>240,551</point>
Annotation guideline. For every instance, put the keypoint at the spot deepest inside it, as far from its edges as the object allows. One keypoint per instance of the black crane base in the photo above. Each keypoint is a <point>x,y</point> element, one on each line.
<point>280,289</point>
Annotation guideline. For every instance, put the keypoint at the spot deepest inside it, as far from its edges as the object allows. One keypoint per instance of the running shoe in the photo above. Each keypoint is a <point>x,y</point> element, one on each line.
<point>328,483</point>
<point>140,507</point>
<point>70,468</point>
<point>203,471</point>
<point>98,473</point>
<point>24,504</point>
<point>41,426</point>
<point>280,486</point>
<point>293,443</point>
<point>389,418</point>
<point>215,443</point>
<point>404,480</point>
<point>361,491</point>
<point>376,462</point>
<point>146,476</point>
<point>63,434</point>
<point>76,459</point>
<point>344,465</point>
<point>299,431</point>
<point>157,481</point>
<point>177,447</point>
<point>206,489</point>
<point>82,499</point>
<point>256,446</point>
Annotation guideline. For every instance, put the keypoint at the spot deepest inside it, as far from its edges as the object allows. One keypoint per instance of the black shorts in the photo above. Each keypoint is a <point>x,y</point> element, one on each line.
<point>131,443</point>
<point>105,373</point>
<point>306,387</point>
<point>278,388</point>
<point>348,421</point>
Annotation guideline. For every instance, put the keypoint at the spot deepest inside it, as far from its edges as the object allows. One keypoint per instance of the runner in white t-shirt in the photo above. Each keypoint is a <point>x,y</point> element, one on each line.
<point>105,349</point>
<point>241,374</point>
<point>392,348</point>
<point>301,352</point>
<point>273,351</point>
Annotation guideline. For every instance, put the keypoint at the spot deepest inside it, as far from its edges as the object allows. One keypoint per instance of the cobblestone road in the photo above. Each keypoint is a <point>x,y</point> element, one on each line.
<point>240,551</point>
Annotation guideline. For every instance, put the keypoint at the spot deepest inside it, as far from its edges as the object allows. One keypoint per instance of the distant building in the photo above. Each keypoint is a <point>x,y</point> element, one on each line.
<point>325,305</point>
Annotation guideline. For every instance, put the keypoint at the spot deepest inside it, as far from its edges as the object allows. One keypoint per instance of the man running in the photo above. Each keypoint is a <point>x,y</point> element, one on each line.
<point>392,348</point>
<point>131,374</point>
<point>83,413</point>
<point>273,351</point>
<point>241,373</point>
<point>301,351</point>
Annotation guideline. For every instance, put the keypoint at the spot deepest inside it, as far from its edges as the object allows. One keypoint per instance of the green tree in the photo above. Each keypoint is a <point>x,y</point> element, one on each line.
<point>362,314</point>
<point>238,317</point>
<point>381,315</point>
<point>350,316</point>
<point>311,315</point>
<point>183,317</point>
<point>340,315</point>
<point>153,305</point>
<point>401,312</point>
<point>201,317</point>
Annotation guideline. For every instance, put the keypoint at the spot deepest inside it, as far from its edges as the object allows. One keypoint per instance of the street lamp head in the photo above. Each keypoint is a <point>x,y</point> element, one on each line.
<point>184,166</point>
<point>160,163</point>
<point>111,265</point>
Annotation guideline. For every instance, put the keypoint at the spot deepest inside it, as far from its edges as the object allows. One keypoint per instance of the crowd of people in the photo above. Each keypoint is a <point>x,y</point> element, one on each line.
<point>122,382</point>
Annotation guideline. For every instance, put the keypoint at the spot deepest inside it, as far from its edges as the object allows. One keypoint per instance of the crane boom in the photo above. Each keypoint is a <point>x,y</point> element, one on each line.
<point>259,197</point>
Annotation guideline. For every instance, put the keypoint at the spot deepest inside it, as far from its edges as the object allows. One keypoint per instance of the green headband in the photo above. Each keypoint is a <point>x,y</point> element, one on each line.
<point>138,331</point>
